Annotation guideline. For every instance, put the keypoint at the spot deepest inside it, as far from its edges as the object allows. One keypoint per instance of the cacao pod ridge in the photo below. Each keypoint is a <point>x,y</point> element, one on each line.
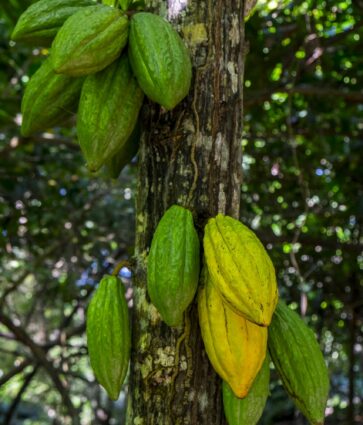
<point>48,99</point>
<point>241,269</point>
<point>248,410</point>
<point>89,40</point>
<point>117,163</point>
<point>108,111</point>
<point>235,347</point>
<point>297,357</point>
<point>108,335</point>
<point>159,59</point>
<point>40,22</point>
<point>173,265</point>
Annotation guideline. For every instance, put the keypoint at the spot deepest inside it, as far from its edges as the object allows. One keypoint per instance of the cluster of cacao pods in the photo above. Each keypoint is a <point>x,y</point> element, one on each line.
<point>103,58</point>
<point>240,317</point>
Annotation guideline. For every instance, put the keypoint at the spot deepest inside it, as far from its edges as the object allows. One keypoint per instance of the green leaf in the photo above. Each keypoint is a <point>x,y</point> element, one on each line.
<point>109,2</point>
<point>125,4</point>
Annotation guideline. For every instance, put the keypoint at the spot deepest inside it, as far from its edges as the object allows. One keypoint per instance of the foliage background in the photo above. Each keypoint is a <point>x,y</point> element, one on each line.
<point>62,229</point>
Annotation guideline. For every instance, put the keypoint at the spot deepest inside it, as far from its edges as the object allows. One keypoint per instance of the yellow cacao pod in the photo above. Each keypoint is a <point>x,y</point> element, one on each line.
<point>240,269</point>
<point>235,347</point>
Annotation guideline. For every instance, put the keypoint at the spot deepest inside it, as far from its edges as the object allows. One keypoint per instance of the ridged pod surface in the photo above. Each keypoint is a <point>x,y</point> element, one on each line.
<point>297,357</point>
<point>117,163</point>
<point>48,99</point>
<point>108,110</point>
<point>108,335</point>
<point>159,59</point>
<point>248,410</point>
<point>89,40</point>
<point>173,265</point>
<point>235,347</point>
<point>241,269</point>
<point>40,22</point>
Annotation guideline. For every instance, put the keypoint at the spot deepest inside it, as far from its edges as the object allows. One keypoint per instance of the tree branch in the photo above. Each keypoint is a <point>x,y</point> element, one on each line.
<point>15,371</point>
<point>328,41</point>
<point>40,354</point>
<point>17,399</point>
<point>38,261</point>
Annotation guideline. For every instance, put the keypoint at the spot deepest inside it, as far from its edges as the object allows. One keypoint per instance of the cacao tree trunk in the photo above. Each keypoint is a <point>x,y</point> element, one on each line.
<point>190,156</point>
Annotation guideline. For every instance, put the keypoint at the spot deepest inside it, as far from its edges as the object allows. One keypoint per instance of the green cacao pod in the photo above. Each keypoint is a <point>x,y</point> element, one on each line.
<point>40,23</point>
<point>108,110</point>
<point>248,410</point>
<point>235,347</point>
<point>299,362</point>
<point>48,99</point>
<point>117,163</point>
<point>241,269</point>
<point>159,59</point>
<point>89,40</point>
<point>108,335</point>
<point>173,265</point>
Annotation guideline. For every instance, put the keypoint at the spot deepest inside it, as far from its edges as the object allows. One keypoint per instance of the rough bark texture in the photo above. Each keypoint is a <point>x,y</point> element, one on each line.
<point>190,156</point>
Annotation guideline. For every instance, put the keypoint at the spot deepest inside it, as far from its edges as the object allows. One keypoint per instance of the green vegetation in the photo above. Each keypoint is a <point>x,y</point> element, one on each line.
<point>62,229</point>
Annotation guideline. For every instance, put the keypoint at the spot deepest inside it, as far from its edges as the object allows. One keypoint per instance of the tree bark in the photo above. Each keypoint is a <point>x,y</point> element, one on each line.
<point>190,156</point>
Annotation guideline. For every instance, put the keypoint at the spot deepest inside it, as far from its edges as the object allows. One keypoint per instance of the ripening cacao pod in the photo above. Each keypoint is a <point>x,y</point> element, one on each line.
<point>117,163</point>
<point>241,269</point>
<point>108,335</point>
<point>48,99</point>
<point>297,357</point>
<point>159,59</point>
<point>89,40</point>
<point>108,110</point>
<point>235,347</point>
<point>248,410</point>
<point>41,21</point>
<point>173,265</point>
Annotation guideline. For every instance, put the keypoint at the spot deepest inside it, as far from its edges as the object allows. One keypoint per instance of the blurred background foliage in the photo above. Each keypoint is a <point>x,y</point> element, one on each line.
<point>61,228</point>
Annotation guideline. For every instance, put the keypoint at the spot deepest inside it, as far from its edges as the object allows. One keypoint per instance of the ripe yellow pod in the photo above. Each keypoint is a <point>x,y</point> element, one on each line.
<point>240,269</point>
<point>235,347</point>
